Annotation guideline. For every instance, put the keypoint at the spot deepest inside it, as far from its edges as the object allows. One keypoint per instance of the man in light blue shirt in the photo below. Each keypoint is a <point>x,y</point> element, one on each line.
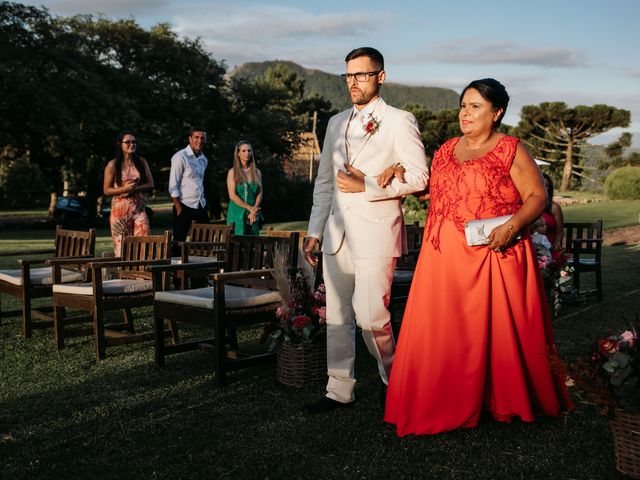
<point>186,184</point>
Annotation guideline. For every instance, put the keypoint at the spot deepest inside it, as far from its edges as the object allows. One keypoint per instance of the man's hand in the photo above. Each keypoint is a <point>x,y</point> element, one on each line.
<point>351,181</point>
<point>308,248</point>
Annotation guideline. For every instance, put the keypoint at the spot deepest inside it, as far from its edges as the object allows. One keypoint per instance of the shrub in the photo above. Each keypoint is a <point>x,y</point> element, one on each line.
<point>623,184</point>
<point>414,209</point>
<point>23,185</point>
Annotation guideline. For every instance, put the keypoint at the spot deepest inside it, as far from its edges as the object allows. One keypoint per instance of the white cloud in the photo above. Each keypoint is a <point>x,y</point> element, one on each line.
<point>115,8</point>
<point>480,52</point>
<point>266,32</point>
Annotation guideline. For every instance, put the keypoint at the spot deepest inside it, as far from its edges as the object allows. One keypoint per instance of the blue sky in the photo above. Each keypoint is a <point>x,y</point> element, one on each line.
<point>581,52</point>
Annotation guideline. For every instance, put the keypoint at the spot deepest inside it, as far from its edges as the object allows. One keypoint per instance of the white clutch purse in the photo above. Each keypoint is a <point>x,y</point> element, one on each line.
<point>477,231</point>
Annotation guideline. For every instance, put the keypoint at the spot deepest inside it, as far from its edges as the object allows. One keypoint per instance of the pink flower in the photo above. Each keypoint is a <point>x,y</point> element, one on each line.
<point>543,262</point>
<point>628,337</point>
<point>322,313</point>
<point>321,288</point>
<point>301,321</point>
<point>319,297</point>
<point>282,312</point>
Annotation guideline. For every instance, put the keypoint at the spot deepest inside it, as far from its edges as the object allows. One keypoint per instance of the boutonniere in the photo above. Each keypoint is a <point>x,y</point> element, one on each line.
<point>371,126</point>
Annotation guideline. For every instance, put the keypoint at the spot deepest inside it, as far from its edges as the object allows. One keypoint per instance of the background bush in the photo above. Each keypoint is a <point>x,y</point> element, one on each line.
<point>414,210</point>
<point>23,186</point>
<point>623,184</point>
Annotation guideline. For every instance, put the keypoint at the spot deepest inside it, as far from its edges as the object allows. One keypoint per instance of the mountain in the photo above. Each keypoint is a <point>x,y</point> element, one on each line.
<point>332,87</point>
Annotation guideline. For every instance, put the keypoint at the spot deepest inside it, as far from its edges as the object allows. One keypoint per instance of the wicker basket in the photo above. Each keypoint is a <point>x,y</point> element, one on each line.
<point>626,442</point>
<point>302,364</point>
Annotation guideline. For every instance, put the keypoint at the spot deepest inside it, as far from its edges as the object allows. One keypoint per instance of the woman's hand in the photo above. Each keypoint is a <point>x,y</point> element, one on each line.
<point>130,185</point>
<point>502,237</point>
<point>252,217</point>
<point>396,171</point>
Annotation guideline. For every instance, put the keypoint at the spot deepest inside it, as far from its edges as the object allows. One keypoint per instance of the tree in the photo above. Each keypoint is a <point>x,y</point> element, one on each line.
<point>555,132</point>
<point>435,127</point>
<point>270,111</point>
<point>68,85</point>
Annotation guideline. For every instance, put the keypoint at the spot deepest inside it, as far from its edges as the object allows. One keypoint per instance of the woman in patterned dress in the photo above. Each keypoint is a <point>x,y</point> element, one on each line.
<point>126,177</point>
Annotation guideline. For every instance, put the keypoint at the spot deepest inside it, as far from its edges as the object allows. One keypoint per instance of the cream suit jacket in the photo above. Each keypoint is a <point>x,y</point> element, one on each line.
<point>372,220</point>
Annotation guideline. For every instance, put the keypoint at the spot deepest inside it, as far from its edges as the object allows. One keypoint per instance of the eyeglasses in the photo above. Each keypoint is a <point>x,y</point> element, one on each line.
<point>359,76</point>
<point>129,142</point>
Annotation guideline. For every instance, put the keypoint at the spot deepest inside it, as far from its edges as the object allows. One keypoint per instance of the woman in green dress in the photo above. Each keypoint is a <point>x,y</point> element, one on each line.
<point>244,183</point>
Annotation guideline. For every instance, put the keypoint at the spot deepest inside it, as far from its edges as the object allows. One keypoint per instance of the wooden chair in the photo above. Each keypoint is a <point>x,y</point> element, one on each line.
<point>132,287</point>
<point>28,283</point>
<point>583,245</point>
<point>403,274</point>
<point>243,295</point>
<point>286,234</point>
<point>207,242</point>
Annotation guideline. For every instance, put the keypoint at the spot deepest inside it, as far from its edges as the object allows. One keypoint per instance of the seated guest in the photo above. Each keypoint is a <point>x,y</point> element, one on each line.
<point>540,240</point>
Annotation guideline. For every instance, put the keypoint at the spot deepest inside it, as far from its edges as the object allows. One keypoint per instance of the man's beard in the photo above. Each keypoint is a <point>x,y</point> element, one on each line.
<point>359,98</point>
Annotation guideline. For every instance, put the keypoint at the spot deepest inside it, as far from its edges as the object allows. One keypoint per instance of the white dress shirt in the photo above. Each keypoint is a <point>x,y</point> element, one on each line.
<point>356,135</point>
<point>186,180</point>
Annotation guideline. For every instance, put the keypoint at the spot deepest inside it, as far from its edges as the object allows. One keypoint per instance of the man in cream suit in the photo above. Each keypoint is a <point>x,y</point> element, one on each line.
<point>360,222</point>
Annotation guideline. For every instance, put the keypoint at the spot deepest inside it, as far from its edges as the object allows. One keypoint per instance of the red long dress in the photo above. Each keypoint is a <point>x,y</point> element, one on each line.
<point>476,333</point>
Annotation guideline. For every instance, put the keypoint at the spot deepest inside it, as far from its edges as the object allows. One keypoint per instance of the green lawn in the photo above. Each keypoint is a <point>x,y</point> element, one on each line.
<point>64,415</point>
<point>614,213</point>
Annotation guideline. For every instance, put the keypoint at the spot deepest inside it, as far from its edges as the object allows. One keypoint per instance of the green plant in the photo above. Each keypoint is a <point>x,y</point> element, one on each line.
<point>623,184</point>
<point>414,209</point>
<point>23,186</point>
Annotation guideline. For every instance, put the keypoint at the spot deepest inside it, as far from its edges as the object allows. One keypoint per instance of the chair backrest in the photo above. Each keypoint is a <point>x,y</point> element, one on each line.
<point>209,232</point>
<point>285,233</point>
<point>146,247</point>
<point>581,231</point>
<point>414,242</point>
<point>252,252</point>
<point>74,243</point>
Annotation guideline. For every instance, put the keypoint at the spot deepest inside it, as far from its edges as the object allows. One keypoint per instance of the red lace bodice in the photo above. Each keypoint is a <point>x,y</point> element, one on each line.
<point>477,188</point>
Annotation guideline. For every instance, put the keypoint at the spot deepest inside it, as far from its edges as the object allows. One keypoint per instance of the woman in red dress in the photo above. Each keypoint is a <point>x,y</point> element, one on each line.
<point>476,333</point>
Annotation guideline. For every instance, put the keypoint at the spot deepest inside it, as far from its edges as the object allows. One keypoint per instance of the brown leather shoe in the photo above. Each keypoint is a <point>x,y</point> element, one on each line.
<point>325,404</point>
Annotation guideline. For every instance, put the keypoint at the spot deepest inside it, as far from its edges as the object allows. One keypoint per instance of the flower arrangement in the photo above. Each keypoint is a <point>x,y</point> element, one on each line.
<point>609,375</point>
<point>302,317</point>
<point>371,126</point>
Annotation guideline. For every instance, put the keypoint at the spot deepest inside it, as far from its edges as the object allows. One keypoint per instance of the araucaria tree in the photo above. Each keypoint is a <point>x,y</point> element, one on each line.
<point>555,132</point>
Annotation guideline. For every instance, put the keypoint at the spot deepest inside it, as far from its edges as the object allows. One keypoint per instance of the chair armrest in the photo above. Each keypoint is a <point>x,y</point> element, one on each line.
<point>232,276</point>
<point>186,266</point>
<point>15,253</point>
<point>71,260</point>
<point>127,263</point>
<point>33,261</point>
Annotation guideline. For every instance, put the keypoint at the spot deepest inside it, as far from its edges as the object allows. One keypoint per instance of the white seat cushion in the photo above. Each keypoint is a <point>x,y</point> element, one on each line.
<point>235,297</point>
<point>109,287</point>
<point>402,276</point>
<point>39,276</point>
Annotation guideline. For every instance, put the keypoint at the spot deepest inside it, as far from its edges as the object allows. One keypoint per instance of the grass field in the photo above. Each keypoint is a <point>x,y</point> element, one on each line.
<point>64,415</point>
